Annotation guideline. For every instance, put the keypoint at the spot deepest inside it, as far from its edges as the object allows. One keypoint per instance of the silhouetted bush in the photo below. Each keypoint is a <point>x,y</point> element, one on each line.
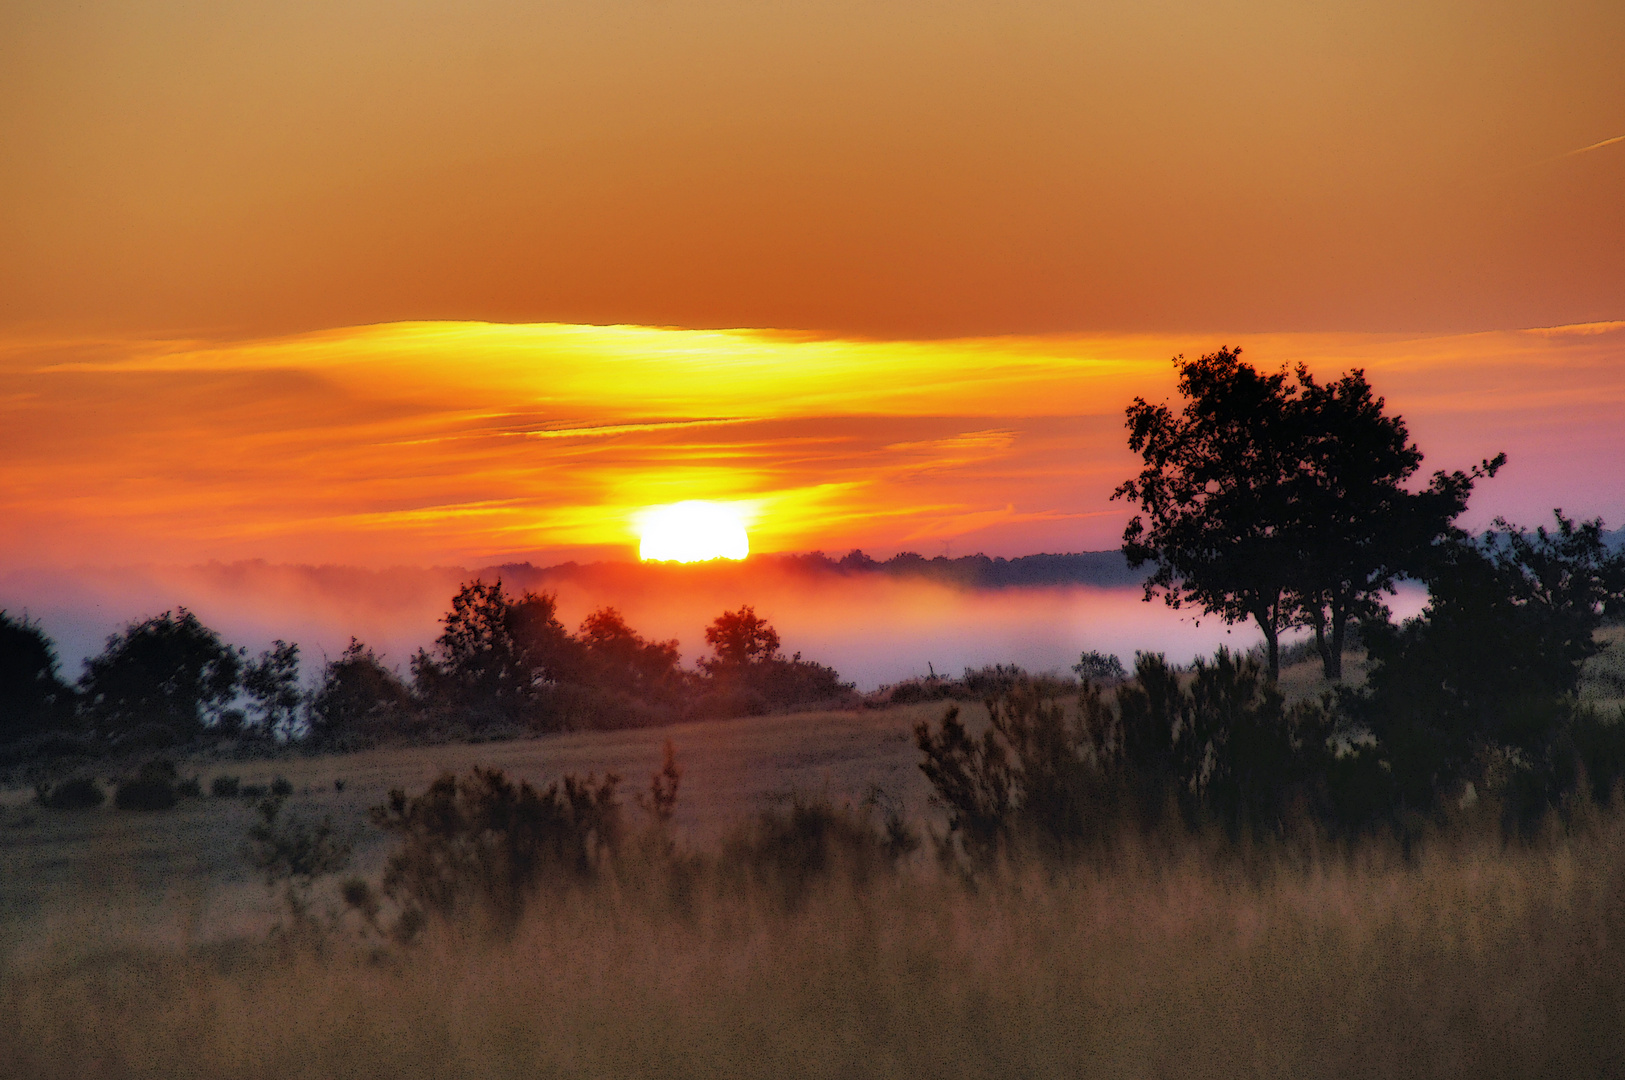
<point>143,793</point>
<point>481,847</point>
<point>789,850</point>
<point>225,787</point>
<point>281,787</point>
<point>1221,746</point>
<point>81,793</point>
<point>188,788</point>
<point>293,852</point>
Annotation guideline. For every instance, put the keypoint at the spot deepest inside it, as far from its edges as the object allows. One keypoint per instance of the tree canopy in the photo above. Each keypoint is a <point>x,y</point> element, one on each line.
<point>1272,497</point>
<point>169,670</point>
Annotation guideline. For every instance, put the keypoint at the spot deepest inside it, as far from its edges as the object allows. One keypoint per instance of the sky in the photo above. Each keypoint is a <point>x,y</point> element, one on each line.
<point>420,284</point>
<point>906,169</point>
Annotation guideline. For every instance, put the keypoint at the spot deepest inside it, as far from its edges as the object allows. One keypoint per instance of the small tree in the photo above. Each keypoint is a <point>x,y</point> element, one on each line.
<point>741,638</point>
<point>619,658</point>
<point>272,685</point>
<point>32,695</point>
<point>496,654</point>
<point>170,669</point>
<point>359,695</point>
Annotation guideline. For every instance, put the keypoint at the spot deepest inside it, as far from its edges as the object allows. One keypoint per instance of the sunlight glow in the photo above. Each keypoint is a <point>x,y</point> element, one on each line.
<point>692,531</point>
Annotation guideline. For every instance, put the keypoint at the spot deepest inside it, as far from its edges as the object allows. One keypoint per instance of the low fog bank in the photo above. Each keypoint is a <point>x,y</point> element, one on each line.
<point>874,622</point>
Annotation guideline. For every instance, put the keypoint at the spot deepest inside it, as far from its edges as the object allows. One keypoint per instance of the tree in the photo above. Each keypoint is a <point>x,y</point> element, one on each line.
<point>1480,688</point>
<point>752,675</point>
<point>359,695</point>
<point>1281,500</point>
<point>272,685</point>
<point>169,670</point>
<point>497,654</point>
<point>618,657</point>
<point>32,695</point>
<point>1361,529</point>
<point>741,638</point>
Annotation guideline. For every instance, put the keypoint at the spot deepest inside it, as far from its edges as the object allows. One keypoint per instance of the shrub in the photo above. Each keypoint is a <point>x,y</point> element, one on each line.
<point>143,793</point>
<point>787,851</point>
<point>294,852</point>
<point>224,787</point>
<point>1099,666</point>
<point>81,793</point>
<point>481,846</point>
<point>189,788</point>
<point>281,787</point>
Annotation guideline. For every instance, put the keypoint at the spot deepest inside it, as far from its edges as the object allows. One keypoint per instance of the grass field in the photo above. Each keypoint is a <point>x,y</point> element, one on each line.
<point>136,944</point>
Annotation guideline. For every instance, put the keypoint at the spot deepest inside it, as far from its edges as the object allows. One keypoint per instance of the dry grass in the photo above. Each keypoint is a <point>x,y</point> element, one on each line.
<point>1473,960</point>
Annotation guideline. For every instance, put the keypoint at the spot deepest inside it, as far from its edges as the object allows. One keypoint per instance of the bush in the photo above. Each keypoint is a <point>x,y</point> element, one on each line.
<point>189,788</point>
<point>144,793</point>
<point>787,851</point>
<point>294,852</point>
<point>224,787</point>
<point>281,787</point>
<point>480,846</point>
<point>82,793</point>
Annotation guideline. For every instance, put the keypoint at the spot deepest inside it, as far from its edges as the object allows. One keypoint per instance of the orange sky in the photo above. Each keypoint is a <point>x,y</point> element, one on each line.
<point>379,283</point>
<point>900,169</point>
<point>473,443</point>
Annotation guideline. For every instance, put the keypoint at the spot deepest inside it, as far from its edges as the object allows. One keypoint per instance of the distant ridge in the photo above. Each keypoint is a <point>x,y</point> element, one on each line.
<point>1098,568</point>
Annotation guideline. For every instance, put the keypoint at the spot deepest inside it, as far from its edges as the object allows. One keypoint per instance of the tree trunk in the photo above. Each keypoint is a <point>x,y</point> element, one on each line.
<point>1272,641</point>
<point>1334,658</point>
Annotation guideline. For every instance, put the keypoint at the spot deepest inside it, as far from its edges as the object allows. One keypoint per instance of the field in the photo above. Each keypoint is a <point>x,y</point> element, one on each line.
<point>136,944</point>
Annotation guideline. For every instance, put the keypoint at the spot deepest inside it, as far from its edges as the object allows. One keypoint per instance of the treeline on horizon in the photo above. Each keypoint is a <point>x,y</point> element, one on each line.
<point>503,665</point>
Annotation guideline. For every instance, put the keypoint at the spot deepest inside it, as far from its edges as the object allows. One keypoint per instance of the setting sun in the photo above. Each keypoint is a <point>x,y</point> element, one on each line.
<point>692,531</point>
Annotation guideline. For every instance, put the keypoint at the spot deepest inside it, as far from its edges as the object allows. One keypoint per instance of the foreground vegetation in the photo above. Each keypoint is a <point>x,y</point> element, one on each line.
<point>804,946</point>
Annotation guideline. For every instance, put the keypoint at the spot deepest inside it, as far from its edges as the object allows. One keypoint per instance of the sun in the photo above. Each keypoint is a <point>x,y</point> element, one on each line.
<point>692,531</point>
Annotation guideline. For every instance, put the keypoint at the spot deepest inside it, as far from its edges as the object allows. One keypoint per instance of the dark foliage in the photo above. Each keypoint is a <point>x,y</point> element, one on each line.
<point>1222,749</point>
<point>358,699</point>
<point>81,793</point>
<point>1480,688</point>
<point>225,787</point>
<point>616,657</point>
<point>294,852</point>
<point>33,697</point>
<point>153,788</point>
<point>272,685</point>
<point>482,847</point>
<point>1280,501</point>
<point>498,657</point>
<point>788,850</point>
<point>171,671</point>
<point>748,674</point>
<point>1099,667</point>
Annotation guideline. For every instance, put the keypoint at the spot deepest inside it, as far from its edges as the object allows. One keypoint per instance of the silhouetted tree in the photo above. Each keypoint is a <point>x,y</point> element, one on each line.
<point>32,695</point>
<point>752,675</point>
<point>272,686</point>
<point>358,695</point>
<point>169,670</point>
<point>1360,528</point>
<point>497,654</point>
<point>617,657</point>
<point>1480,687</point>
<point>1280,501</point>
<point>740,638</point>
